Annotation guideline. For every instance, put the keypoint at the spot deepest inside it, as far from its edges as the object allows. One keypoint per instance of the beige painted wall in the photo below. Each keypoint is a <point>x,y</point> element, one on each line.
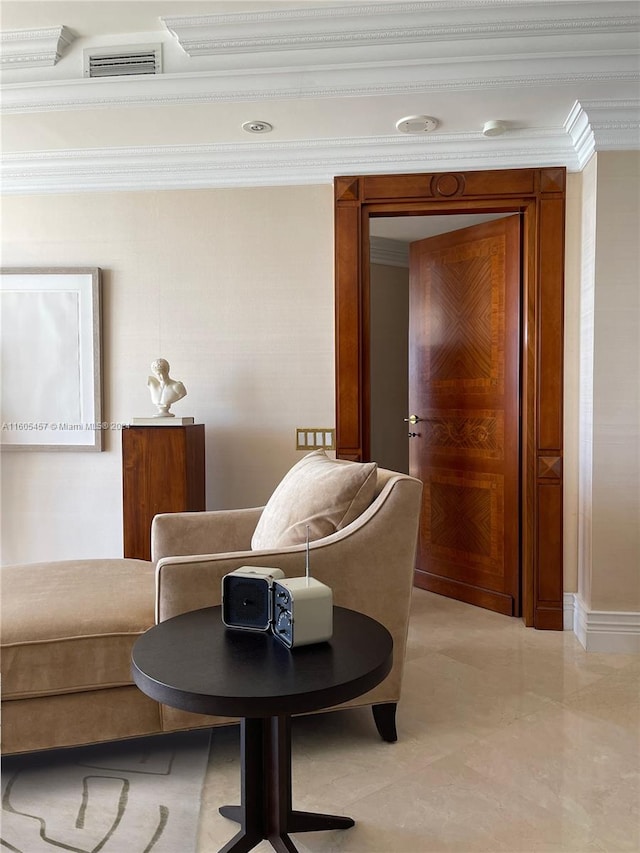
<point>615,570</point>
<point>235,289</point>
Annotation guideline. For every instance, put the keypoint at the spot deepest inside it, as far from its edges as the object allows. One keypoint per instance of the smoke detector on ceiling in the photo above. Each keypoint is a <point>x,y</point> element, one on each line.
<point>494,128</point>
<point>417,124</point>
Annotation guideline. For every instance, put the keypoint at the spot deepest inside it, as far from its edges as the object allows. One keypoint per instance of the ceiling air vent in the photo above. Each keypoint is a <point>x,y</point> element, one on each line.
<point>123,61</point>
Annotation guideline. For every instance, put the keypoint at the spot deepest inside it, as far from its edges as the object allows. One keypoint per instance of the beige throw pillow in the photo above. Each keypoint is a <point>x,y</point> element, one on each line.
<point>326,494</point>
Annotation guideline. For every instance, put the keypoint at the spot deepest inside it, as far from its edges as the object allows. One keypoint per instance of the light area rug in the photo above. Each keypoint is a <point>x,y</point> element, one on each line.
<point>137,796</point>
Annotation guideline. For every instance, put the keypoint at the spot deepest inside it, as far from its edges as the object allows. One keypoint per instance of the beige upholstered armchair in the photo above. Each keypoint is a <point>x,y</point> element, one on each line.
<point>368,563</point>
<point>66,665</point>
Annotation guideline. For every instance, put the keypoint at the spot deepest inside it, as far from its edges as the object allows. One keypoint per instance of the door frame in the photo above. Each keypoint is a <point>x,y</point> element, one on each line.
<point>539,196</point>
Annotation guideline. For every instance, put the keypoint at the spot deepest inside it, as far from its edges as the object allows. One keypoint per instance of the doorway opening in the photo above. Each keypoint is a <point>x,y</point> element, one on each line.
<point>389,240</point>
<point>445,324</point>
<point>538,197</point>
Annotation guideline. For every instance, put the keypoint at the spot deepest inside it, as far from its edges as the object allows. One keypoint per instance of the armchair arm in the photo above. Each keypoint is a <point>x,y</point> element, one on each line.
<point>185,583</point>
<point>369,564</point>
<point>179,533</point>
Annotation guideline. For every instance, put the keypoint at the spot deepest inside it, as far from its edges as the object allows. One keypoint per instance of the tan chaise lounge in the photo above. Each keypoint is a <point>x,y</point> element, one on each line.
<point>68,627</point>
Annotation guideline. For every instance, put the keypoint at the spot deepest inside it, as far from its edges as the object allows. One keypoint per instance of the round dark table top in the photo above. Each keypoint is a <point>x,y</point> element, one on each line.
<point>195,663</point>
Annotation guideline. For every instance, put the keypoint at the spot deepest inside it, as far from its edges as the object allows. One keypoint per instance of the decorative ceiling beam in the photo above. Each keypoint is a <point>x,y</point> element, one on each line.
<point>264,163</point>
<point>32,48</point>
<point>615,123</point>
<point>376,24</point>
<point>581,133</point>
<point>604,125</point>
<point>277,84</point>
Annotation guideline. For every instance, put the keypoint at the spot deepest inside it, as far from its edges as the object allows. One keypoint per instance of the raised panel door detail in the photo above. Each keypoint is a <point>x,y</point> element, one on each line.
<point>464,316</point>
<point>464,388</point>
<point>463,521</point>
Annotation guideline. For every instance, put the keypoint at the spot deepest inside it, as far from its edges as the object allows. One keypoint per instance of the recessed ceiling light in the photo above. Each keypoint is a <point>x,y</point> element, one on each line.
<point>417,124</point>
<point>494,128</point>
<point>257,126</point>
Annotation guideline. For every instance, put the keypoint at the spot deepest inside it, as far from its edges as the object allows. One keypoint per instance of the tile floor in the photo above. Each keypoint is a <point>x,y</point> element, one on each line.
<point>510,739</point>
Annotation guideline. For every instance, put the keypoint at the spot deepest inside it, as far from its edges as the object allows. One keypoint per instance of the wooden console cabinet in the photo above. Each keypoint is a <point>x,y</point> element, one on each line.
<point>163,470</point>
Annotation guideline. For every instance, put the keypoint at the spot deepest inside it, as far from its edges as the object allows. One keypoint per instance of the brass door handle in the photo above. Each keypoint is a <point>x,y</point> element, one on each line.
<point>412,419</point>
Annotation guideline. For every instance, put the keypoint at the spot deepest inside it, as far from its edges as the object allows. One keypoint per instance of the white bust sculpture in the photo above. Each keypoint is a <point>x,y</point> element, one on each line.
<point>164,390</point>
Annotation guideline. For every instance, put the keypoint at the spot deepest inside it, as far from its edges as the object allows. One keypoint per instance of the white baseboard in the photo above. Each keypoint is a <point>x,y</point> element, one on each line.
<point>568,610</point>
<point>602,630</point>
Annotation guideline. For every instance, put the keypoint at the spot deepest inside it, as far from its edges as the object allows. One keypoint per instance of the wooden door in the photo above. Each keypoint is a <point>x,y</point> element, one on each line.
<point>465,389</point>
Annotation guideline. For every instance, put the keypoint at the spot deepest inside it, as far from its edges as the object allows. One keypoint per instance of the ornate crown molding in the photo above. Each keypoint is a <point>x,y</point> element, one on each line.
<point>275,163</point>
<point>299,162</point>
<point>391,253</point>
<point>389,23</point>
<point>278,84</point>
<point>581,133</point>
<point>31,48</point>
<point>615,124</point>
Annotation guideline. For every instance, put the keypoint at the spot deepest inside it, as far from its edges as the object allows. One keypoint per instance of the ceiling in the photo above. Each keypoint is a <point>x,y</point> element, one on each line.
<point>332,78</point>
<point>411,228</point>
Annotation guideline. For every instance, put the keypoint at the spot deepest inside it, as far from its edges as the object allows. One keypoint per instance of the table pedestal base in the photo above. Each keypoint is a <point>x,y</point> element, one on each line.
<point>266,810</point>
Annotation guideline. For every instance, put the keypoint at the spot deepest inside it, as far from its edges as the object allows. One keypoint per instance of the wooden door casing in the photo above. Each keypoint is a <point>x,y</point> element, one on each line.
<point>538,195</point>
<point>465,387</point>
